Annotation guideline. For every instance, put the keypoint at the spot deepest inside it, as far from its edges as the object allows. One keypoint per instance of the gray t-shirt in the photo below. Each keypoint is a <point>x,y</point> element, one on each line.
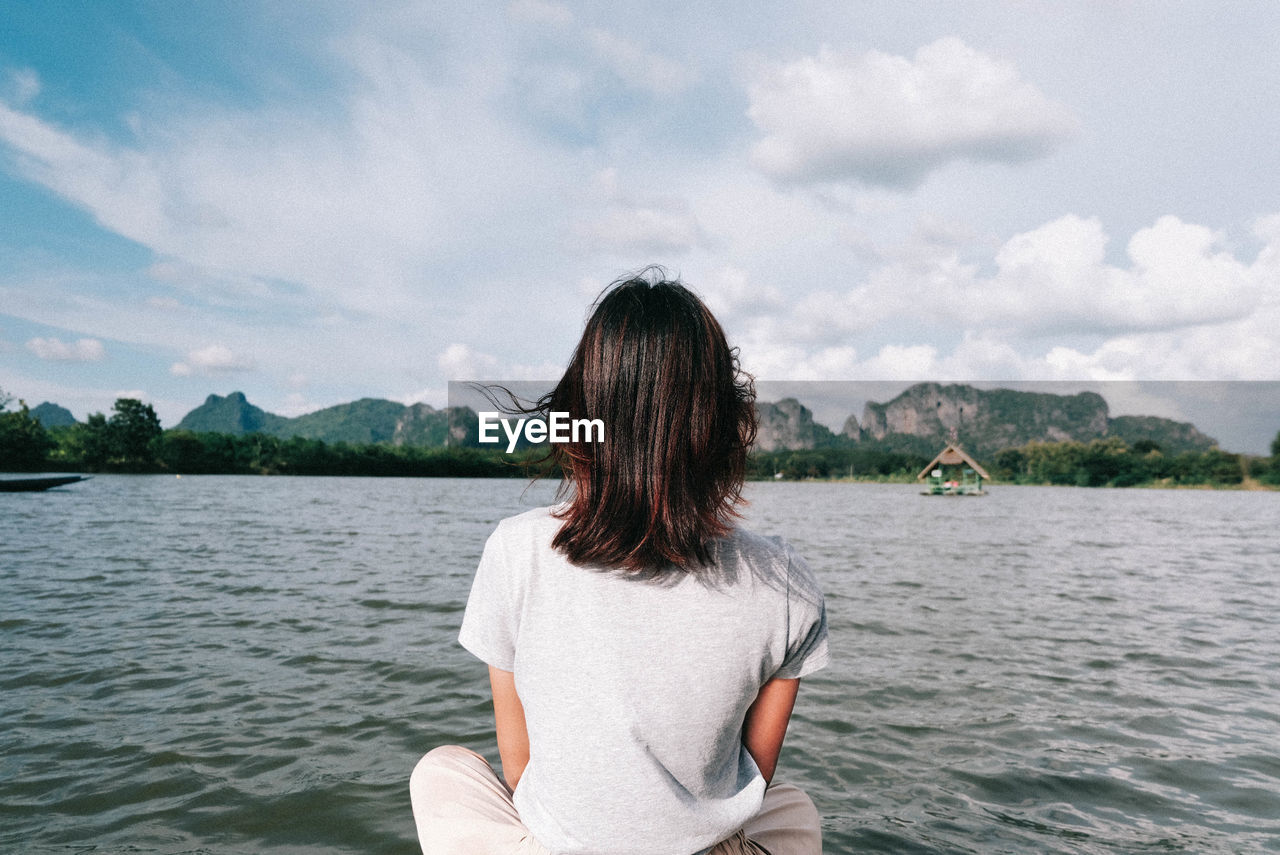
<point>634,691</point>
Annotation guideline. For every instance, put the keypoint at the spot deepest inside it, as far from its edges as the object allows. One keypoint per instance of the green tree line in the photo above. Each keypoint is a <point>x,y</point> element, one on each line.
<point>132,440</point>
<point>869,464</point>
<point>1111,463</point>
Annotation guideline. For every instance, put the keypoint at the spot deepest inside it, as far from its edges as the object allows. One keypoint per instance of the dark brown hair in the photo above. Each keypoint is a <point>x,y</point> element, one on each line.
<point>679,415</point>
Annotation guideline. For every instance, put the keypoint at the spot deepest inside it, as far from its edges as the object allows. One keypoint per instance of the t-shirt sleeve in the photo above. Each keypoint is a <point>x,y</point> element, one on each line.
<point>490,621</point>
<point>807,649</point>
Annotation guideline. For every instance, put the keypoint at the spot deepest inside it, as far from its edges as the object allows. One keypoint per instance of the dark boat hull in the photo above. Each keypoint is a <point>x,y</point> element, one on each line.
<point>32,485</point>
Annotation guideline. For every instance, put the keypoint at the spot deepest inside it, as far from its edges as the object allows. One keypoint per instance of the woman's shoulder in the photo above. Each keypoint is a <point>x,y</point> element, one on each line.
<point>533,516</point>
<point>766,547</point>
<point>534,524</point>
<point>769,556</point>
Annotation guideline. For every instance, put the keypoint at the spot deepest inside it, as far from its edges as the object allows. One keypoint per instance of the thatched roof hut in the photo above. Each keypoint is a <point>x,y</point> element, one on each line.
<point>953,455</point>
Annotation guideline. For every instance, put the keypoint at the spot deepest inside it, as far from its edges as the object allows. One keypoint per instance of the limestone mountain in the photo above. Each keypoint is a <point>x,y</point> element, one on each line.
<point>788,424</point>
<point>422,424</point>
<point>232,414</point>
<point>920,420</point>
<point>362,422</point>
<point>1172,437</point>
<point>52,416</point>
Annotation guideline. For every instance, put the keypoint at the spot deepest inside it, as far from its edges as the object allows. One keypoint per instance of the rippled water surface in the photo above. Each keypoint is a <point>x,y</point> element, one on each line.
<point>241,665</point>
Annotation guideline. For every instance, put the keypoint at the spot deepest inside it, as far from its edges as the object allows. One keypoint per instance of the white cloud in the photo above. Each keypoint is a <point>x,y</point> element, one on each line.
<point>82,400</point>
<point>639,68</point>
<point>1113,361</point>
<point>539,12</point>
<point>769,359</point>
<point>981,356</point>
<point>1178,276</point>
<point>1267,229</point>
<point>460,362</point>
<point>578,83</point>
<point>335,354</point>
<point>120,188</point>
<point>650,226</point>
<point>23,85</point>
<point>901,362</point>
<point>1242,350</point>
<point>296,404</point>
<point>651,230</point>
<point>211,360</point>
<point>1181,306</point>
<point>56,350</point>
<point>1054,279</point>
<point>348,205</point>
<point>729,290</point>
<point>1237,351</point>
<point>433,396</point>
<point>889,120</point>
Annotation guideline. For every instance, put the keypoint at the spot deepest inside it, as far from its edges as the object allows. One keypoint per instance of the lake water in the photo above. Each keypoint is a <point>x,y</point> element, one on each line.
<point>245,665</point>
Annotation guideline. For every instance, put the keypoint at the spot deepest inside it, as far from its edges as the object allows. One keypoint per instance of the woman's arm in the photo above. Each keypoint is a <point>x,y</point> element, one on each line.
<point>766,724</point>
<point>508,718</point>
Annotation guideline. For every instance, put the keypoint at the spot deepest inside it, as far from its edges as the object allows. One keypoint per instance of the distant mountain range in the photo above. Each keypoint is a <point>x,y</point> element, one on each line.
<point>362,422</point>
<point>919,421</point>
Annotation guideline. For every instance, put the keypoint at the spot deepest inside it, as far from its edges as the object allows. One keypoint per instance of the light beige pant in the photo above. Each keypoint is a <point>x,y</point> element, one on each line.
<point>461,807</point>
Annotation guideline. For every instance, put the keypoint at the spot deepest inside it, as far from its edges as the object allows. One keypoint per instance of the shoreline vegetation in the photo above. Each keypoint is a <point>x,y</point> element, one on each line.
<point>132,441</point>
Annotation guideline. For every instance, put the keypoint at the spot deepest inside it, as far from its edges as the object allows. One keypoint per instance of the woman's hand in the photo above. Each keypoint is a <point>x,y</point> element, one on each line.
<point>508,719</point>
<point>766,724</point>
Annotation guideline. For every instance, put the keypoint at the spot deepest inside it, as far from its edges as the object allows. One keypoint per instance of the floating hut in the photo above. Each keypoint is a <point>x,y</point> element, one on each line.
<point>953,473</point>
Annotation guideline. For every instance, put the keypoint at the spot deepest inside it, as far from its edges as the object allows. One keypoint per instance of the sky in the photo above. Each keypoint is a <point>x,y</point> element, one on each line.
<point>313,203</point>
